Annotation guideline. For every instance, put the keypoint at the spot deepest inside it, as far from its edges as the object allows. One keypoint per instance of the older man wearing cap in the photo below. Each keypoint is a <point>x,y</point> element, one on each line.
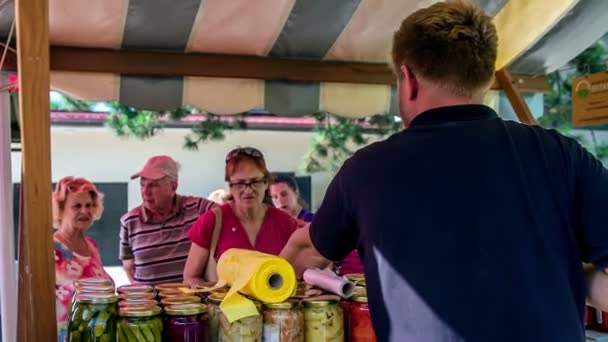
<point>153,242</point>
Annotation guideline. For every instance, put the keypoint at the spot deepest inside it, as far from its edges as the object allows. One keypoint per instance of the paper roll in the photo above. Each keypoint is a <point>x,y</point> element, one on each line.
<point>328,281</point>
<point>265,277</point>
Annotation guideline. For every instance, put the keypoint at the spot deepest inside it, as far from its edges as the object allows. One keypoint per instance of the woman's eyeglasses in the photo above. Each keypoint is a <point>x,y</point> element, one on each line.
<point>244,151</point>
<point>255,184</point>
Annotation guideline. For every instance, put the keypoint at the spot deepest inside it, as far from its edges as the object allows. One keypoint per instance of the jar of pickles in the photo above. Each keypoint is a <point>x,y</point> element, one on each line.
<point>360,322</point>
<point>80,288</point>
<point>93,318</point>
<point>323,321</point>
<point>180,300</point>
<point>283,322</point>
<point>213,308</point>
<point>93,282</point>
<point>186,322</point>
<point>248,329</point>
<point>140,324</point>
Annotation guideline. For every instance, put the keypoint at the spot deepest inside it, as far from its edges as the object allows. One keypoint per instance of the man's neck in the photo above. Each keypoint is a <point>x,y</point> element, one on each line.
<point>161,214</point>
<point>442,100</point>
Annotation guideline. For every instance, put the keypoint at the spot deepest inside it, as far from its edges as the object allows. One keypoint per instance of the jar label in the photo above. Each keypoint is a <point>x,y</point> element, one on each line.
<point>271,333</point>
<point>599,316</point>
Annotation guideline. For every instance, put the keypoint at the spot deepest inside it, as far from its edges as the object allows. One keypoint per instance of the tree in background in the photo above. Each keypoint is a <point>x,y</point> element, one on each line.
<point>558,102</point>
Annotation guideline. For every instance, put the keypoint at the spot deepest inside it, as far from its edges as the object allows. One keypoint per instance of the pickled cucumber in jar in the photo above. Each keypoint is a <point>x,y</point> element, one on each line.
<point>140,324</point>
<point>93,318</point>
<point>323,320</point>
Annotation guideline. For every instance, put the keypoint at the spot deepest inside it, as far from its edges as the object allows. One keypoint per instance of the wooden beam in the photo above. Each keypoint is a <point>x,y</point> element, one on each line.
<point>147,63</point>
<point>36,302</point>
<point>518,103</point>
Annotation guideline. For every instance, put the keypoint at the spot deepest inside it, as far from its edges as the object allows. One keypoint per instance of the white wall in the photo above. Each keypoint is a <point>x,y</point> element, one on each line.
<point>97,154</point>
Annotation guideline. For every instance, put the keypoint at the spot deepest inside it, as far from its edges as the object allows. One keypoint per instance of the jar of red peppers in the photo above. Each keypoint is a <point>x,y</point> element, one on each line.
<point>186,322</point>
<point>360,323</point>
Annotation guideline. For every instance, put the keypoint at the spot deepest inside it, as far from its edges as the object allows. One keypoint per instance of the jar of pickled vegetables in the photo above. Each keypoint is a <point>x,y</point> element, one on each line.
<point>169,286</point>
<point>140,324</point>
<point>283,322</point>
<point>93,282</point>
<point>361,328</point>
<point>323,321</point>
<point>248,329</point>
<point>135,288</point>
<point>345,306</point>
<point>80,288</point>
<point>136,295</point>
<point>180,300</point>
<point>137,302</point>
<point>93,318</point>
<point>213,308</point>
<point>186,322</point>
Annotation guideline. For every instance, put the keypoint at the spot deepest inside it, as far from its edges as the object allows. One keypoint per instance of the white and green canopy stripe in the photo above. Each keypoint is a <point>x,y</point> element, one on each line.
<point>536,37</point>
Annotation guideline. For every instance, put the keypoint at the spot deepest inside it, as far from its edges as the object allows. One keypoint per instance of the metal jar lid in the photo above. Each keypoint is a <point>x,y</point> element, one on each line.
<point>140,311</point>
<point>93,282</point>
<point>136,295</point>
<point>137,302</point>
<point>171,293</point>
<point>134,288</point>
<point>281,306</point>
<point>319,303</point>
<point>185,309</point>
<point>215,298</point>
<point>169,286</point>
<point>359,299</point>
<point>180,300</point>
<point>97,298</point>
<point>94,288</point>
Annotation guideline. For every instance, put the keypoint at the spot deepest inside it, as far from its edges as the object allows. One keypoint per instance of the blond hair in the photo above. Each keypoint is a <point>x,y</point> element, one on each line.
<point>452,44</point>
<point>70,185</point>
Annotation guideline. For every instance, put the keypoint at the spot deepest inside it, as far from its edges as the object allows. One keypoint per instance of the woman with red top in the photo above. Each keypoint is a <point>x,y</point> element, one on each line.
<point>286,196</point>
<point>246,221</point>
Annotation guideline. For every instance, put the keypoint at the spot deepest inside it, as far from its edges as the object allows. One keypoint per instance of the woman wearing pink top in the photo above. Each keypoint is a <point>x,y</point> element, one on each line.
<point>286,196</point>
<point>76,205</point>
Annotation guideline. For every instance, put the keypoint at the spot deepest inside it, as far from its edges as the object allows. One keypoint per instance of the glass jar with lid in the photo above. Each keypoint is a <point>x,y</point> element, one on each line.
<point>213,308</point>
<point>323,321</point>
<point>360,323</point>
<point>93,282</point>
<point>283,322</point>
<point>186,322</point>
<point>248,329</point>
<point>93,318</point>
<point>180,300</point>
<point>140,324</point>
<point>80,288</point>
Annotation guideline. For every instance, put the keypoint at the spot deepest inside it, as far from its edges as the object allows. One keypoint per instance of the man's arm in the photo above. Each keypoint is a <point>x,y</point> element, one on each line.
<point>597,288</point>
<point>301,253</point>
<point>129,266</point>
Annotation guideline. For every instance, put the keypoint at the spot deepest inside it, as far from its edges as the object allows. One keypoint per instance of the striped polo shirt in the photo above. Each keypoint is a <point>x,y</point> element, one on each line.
<point>160,249</point>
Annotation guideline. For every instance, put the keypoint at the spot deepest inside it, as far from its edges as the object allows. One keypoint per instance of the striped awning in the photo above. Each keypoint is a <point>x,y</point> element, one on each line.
<point>536,37</point>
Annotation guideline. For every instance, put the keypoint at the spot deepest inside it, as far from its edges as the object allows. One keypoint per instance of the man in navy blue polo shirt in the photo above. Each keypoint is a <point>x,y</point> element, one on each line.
<point>471,228</point>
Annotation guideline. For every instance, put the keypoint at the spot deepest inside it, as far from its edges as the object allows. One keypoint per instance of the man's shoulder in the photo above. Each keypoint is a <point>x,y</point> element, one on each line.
<point>196,202</point>
<point>131,216</point>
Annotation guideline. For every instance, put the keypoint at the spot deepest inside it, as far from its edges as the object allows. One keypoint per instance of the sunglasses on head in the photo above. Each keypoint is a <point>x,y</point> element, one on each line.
<point>244,151</point>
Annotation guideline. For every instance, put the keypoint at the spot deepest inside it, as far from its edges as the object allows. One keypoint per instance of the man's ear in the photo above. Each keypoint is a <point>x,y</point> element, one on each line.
<point>410,82</point>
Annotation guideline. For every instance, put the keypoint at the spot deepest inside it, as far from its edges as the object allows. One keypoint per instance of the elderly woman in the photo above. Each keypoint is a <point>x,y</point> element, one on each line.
<point>245,222</point>
<point>286,196</point>
<point>76,205</point>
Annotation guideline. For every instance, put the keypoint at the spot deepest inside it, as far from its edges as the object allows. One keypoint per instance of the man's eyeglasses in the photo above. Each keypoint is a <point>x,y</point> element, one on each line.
<point>255,184</point>
<point>244,151</point>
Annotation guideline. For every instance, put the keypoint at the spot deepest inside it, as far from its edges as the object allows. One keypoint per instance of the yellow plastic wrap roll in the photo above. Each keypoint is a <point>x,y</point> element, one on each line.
<point>265,277</point>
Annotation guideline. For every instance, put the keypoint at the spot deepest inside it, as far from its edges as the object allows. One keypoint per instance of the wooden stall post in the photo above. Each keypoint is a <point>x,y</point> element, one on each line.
<point>36,302</point>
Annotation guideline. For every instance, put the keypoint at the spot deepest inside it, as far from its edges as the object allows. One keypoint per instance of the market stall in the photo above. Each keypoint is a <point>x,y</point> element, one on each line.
<point>287,57</point>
